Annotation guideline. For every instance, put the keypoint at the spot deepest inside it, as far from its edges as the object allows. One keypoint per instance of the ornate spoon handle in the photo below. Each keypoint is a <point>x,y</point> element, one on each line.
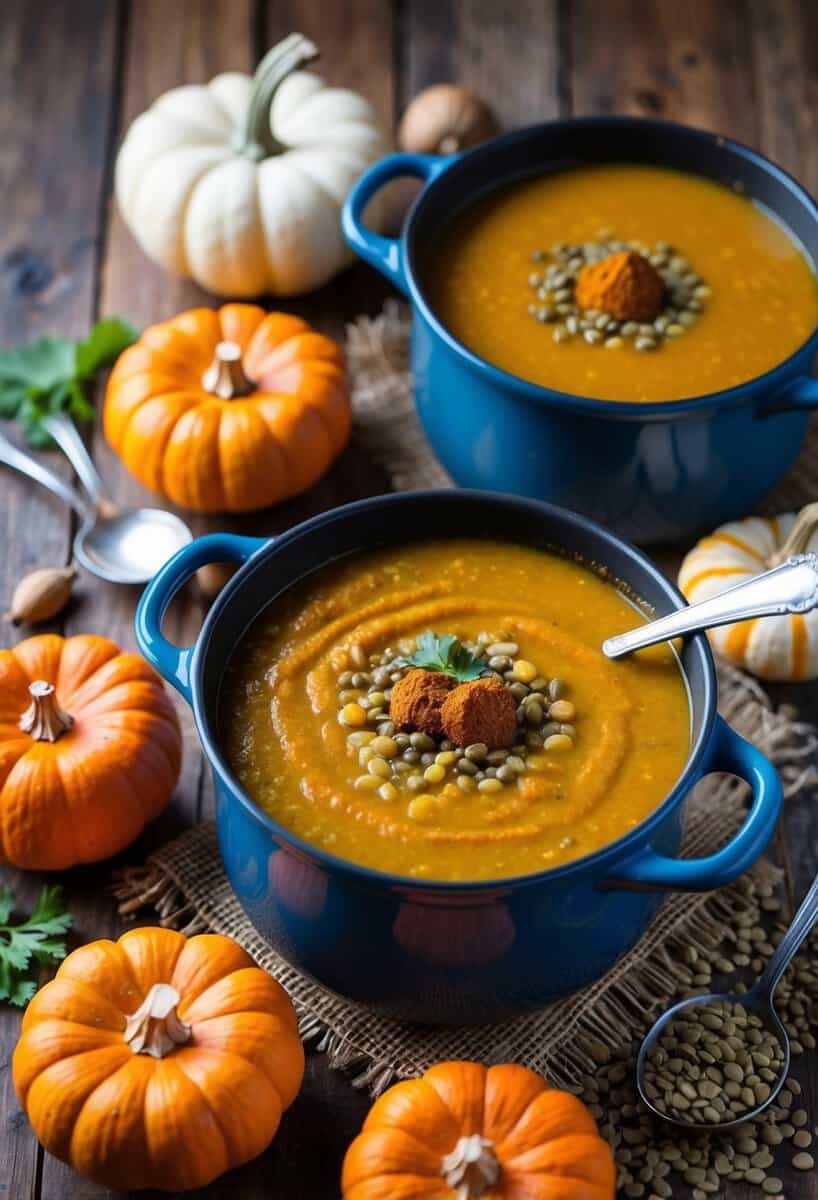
<point>789,588</point>
<point>26,465</point>
<point>800,926</point>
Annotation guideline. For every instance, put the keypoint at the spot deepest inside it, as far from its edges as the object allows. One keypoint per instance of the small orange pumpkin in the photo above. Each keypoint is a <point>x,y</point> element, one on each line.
<point>90,750</point>
<point>228,410</point>
<point>464,1131</point>
<point>158,1061</point>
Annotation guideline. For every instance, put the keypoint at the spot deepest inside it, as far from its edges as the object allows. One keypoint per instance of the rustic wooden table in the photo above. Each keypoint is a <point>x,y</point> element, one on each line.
<point>72,77</point>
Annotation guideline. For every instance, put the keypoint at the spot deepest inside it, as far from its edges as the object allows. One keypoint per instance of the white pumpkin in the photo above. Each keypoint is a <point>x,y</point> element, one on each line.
<point>239,183</point>
<point>775,648</point>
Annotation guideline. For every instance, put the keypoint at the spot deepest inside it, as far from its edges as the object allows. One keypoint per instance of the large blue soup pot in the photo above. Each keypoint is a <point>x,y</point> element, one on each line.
<point>446,952</point>
<point>649,471</point>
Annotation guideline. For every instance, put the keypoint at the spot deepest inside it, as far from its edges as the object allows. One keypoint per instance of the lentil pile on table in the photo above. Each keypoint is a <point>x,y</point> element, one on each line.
<point>394,762</point>
<point>655,1160</point>
<point>554,286</point>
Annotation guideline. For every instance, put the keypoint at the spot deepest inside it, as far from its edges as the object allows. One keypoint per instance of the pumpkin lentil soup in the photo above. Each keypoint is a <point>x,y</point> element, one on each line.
<point>740,293</point>
<point>307,729</point>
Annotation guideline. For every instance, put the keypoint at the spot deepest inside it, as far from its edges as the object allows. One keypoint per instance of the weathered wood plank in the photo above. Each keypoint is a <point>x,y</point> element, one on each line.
<point>784,42</point>
<point>785,63</point>
<point>161,50</point>
<point>509,53</point>
<point>57,69</point>
<point>687,62</point>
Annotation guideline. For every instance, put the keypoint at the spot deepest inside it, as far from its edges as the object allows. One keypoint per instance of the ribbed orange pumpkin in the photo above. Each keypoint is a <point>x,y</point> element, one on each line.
<point>90,750</point>
<point>158,1061</point>
<point>228,410</point>
<point>464,1131</point>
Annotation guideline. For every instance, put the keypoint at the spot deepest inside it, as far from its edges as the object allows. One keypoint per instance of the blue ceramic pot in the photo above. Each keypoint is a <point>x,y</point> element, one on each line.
<point>445,952</point>
<point>649,471</point>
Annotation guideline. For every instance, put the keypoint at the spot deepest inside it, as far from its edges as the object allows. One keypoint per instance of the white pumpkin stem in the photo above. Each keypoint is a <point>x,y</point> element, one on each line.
<point>44,719</point>
<point>257,141</point>
<point>225,376</point>
<point>806,524</point>
<point>155,1028</point>
<point>471,1168</point>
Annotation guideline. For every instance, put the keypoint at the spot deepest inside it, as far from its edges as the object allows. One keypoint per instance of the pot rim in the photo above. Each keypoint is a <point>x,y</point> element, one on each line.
<point>695,765</point>
<point>610,409</point>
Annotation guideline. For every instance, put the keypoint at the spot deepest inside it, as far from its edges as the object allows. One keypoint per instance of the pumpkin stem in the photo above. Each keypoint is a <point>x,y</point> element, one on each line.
<point>471,1168</point>
<point>44,719</point>
<point>225,376</point>
<point>256,140</point>
<point>806,524</point>
<point>155,1027</point>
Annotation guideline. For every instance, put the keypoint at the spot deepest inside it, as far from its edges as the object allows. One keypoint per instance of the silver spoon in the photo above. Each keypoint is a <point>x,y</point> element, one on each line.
<point>791,587</point>
<point>759,1000</point>
<point>126,545</point>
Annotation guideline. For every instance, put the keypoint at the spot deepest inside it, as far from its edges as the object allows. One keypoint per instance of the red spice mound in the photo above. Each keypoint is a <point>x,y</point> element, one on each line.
<point>624,285</point>
<point>416,701</point>
<point>481,711</point>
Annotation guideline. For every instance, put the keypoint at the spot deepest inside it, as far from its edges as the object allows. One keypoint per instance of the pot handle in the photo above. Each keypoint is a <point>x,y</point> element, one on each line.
<point>799,395</point>
<point>385,253</point>
<point>648,871</point>
<point>173,662</point>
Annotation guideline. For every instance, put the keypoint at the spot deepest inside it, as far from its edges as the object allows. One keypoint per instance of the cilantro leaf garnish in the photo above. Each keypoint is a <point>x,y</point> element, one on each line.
<point>49,376</point>
<point>447,655</point>
<point>37,939</point>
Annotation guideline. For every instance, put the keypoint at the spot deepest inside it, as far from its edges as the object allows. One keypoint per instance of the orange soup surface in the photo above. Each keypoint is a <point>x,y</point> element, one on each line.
<point>306,729</point>
<point>762,303</point>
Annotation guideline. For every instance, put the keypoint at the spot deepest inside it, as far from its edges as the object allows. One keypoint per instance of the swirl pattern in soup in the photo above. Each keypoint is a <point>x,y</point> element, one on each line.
<point>286,740</point>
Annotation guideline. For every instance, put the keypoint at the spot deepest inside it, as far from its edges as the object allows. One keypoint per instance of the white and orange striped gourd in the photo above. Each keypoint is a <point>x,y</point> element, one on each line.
<point>775,648</point>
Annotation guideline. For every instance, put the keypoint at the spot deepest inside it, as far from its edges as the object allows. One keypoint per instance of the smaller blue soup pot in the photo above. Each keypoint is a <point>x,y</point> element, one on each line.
<point>446,952</point>
<point>652,471</point>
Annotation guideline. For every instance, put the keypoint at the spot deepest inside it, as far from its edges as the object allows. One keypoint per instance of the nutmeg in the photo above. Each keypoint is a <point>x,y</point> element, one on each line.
<point>444,119</point>
<point>416,701</point>
<point>624,285</point>
<point>481,711</point>
<point>41,595</point>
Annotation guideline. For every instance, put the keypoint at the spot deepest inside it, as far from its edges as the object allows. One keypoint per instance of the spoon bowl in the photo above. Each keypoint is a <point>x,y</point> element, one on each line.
<point>756,1001</point>
<point>130,546</point>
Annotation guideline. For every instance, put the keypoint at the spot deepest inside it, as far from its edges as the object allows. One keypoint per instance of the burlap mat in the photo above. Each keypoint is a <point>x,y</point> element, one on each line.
<point>185,885</point>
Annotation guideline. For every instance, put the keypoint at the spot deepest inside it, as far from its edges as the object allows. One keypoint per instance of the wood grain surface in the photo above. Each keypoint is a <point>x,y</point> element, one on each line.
<point>73,76</point>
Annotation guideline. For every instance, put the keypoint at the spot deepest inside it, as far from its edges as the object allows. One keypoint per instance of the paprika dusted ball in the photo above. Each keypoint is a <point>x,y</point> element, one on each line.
<point>417,699</point>
<point>481,711</point>
<point>625,285</point>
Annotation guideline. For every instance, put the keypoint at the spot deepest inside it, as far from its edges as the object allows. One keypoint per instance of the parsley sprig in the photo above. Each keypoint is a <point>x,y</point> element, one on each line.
<point>447,655</point>
<point>50,374</point>
<point>37,939</point>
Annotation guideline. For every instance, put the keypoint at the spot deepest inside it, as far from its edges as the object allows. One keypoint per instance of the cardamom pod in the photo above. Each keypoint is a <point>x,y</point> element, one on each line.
<point>42,594</point>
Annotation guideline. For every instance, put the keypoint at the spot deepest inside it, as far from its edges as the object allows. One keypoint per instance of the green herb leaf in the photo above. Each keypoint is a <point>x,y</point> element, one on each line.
<point>47,376</point>
<point>103,345</point>
<point>447,655</point>
<point>40,938</point>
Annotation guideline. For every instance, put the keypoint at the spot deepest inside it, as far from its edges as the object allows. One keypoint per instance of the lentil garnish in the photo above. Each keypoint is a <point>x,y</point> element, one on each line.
<point>397,765</point>
<point>554,288</point>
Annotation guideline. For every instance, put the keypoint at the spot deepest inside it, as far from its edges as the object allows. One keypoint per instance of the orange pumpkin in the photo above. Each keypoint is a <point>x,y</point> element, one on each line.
<point>90,750</point>
<point>228,410</point>
<point>463,1131</point>
<point>158,1061</point>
